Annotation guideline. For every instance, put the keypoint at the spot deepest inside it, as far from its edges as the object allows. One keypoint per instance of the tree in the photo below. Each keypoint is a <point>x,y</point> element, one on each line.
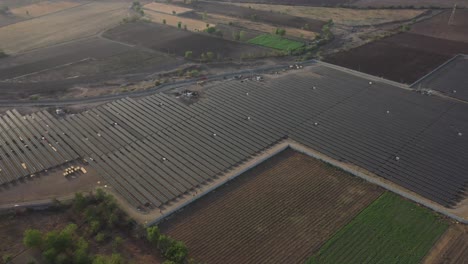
<point>174,12</point>
<point>179,25</point>
<point>210,30</point>
<point>32,238</point>
<point>177,252</point>
<point>80,202</point>
<point>153,234</point>
<point>280,31</point>
<point>164,21</point>
<point>7,258</point>
<point>118,241</point>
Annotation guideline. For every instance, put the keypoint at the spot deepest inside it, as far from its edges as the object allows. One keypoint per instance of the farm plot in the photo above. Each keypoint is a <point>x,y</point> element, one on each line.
<point>299,2</point>
<point>279,212</point>
<point>409,3</point>
<point>42,8</point>
<point>79,22</point>
<point>438,26</point>
<point>170,40</point>
<point>167,9</point>
<point>191,24</point>
<point>451,248</point>
<point>346,16</point>
<point>276,42</point>
<point>275,19</point>
<point>391,229</point>
<point>257,26</point>
<point>403,57</point>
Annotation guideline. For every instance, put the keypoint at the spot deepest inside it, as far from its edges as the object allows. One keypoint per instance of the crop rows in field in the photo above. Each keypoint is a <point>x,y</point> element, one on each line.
<point>390,230</point>
<point>279,212</point>
<point>276,42</point>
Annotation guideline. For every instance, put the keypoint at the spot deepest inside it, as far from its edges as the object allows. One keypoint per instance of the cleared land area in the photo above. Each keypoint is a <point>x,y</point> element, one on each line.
<point>407,3</point>
<point>438,26</point>
<point>170,40</point>
<point>279,212</point>
<point>298,2</point>
<point>78,22</point>
<point>451,79</point>
<point>191,24</point>
<point>404,57</point>
<point>255,26</point>
<point>275,19</point>
<point>451,248</point>
<point>390,230</point>
<point>276,42</point>
<point>42,8</point>
<point>346,16</point>
<point>167,9</point>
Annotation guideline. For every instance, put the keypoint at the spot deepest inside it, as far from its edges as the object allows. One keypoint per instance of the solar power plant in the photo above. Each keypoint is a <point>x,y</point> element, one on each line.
<point>157,148</point>
<point>451,79</point>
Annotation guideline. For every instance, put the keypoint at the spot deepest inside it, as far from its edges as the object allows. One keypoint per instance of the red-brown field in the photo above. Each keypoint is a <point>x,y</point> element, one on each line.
<point>438,26</point>
<point>281,211</point>
<point>171,40</point>
<point>403,57</point>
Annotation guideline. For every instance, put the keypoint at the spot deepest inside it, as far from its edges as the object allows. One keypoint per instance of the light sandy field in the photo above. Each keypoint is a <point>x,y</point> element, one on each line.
<point>168,9</point>
<point>294,32</point>
<point>79,22</point>
<point>42,8</point>
<point>351,17</point>
<point>192,24</point>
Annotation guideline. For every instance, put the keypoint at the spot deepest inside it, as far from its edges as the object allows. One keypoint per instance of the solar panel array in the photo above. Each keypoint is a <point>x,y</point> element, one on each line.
<point>157,148</point>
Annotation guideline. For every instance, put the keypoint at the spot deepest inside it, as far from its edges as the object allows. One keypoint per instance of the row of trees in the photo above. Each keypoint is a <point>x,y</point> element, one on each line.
<point>174,251</point>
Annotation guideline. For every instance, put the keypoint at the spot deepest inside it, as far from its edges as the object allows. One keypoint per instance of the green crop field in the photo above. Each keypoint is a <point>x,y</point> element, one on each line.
<point>390,230</point>
<point>276,42</point>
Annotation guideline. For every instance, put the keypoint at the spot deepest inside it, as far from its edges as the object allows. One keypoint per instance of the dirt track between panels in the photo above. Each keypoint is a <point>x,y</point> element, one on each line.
<point>279,212</point>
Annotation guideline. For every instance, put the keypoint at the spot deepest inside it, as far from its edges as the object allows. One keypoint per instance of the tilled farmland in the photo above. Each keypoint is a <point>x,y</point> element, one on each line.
<point>279,212</point>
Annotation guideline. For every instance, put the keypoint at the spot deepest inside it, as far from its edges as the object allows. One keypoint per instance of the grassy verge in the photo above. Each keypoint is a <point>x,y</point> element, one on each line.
<point>390,230</point>
<point>276,42</point>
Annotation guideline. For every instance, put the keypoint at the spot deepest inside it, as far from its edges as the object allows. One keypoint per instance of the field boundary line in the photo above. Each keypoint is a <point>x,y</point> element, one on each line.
<point>436,69</point>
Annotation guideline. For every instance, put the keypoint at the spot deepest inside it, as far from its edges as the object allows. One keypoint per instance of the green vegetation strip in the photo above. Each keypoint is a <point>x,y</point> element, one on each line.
<point>390,230</point>
<point>276,42</point>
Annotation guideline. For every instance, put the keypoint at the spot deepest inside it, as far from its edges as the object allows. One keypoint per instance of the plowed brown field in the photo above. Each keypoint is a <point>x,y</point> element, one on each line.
<point>281,211</point>
<point>452,247</point>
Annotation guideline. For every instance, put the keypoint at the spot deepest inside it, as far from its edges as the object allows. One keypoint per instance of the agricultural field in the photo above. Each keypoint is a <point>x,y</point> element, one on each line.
<point>297,2</point>
<point>245,24</point>
<point>409,3</point>
<point>281,211</point>
<point>166,9</point>
<point>438,26</point>
<point>42,8</point>
<point>276,42</point>
<point>390,230</point>
<point>173,41</point>
<point>74,23</point>
<point>275,19</point>
<point>345,16</point>
<point>404,57</point>
<point>451,248</point>
<point>171,20</point>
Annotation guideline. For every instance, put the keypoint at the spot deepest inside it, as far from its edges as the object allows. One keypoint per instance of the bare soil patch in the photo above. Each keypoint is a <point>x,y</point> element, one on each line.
<point>79,22</point>
<point>167,9</point>
<point>279,212</point>
<point>298,2</point>
<point>346,16</point>
<point>170,40</point>
<point>42,8</point>
<point>452,247</point>
<point>403,57</point>
<point>272,18</point>
<point>438,26</point>
<point>191,24</point>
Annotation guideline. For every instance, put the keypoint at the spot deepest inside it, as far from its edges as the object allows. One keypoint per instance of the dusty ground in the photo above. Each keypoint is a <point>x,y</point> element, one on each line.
<point>452,247</point>
<point>346,16</point>
<point>74,23</point>
<point>272,213</point>
<point>50,185</point>
<point>438,26</point>
<point>171,20</point>
<point>167,9</point>
<point>42,8</point>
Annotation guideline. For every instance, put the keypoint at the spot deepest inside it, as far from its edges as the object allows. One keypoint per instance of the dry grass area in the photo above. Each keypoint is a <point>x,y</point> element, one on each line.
<point>192,24</point>
<point>350,17</point>
<point>79,22</point>
<point>167,9</point>
<point>42,8</point>
<point>248,24</point>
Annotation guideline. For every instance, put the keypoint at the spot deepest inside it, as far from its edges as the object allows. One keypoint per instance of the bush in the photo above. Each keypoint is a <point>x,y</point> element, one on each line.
<point>100,237</point>
<point>7,258</point>
<point>164,21</point>
<point>179,25</point>
<point>153,234</point>
<point>32,238</point>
